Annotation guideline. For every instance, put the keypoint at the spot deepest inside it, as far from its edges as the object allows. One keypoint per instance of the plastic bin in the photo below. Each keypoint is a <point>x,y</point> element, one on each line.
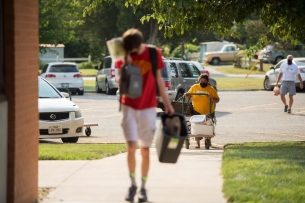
<point>168,146</point>
<point>201,126</point>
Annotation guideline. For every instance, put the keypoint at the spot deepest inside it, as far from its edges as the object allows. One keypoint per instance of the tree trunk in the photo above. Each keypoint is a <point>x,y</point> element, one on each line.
<point>153,31</point>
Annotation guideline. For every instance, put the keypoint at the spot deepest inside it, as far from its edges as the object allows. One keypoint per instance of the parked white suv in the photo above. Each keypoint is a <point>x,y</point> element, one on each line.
<point>64,76</point>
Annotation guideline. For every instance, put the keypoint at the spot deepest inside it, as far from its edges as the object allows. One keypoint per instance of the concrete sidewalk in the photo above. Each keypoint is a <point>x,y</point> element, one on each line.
<point>195,178</point>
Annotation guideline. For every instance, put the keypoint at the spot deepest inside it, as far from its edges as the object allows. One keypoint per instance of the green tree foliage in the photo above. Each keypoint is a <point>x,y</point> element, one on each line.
<point>189,48</point>
<point>57,20</point>
<point>284,17</point>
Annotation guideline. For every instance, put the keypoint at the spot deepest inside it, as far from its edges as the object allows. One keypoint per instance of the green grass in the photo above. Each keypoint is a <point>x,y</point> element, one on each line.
<point>239,83</point>
<point>232,70</point>
<point>88,72</point>
<point>79,151</point>
<point>264,172</point>
<point>89,84</point>
<point>222,83</point>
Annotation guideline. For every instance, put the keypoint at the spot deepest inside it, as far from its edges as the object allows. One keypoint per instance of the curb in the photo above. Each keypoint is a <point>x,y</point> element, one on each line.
<point>218,145</point>
<point>89,91</point>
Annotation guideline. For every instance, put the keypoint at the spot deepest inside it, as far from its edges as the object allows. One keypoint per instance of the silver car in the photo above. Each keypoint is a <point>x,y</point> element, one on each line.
<point>105,77</point>
<point>272,75</point>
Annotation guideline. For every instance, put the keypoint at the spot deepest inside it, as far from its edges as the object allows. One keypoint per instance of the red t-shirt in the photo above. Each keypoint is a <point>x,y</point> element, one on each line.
<point>148,98</point>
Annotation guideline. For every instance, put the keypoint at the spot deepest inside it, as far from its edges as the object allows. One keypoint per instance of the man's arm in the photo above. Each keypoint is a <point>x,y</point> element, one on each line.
<point>279,78</point>
<point>301,81</point>
<point>168,107</point>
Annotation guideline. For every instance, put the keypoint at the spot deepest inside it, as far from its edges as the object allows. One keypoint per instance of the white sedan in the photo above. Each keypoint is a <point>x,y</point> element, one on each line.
<point>58,116</point>
<point>272,75</point>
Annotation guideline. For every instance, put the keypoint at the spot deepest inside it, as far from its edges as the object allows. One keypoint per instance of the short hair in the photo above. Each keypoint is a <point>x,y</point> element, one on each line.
<point>203,76</point>
<point>132,39</point>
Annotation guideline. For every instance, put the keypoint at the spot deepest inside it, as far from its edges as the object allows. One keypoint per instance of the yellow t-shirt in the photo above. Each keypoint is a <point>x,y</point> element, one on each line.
<point>201,103</point>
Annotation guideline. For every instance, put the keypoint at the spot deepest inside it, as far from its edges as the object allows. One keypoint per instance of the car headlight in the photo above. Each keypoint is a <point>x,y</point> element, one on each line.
<point>78,112</point>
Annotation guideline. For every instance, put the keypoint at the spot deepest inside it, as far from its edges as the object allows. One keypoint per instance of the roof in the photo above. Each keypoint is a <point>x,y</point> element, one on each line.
<point>52,45</point>
<point>57,63</point>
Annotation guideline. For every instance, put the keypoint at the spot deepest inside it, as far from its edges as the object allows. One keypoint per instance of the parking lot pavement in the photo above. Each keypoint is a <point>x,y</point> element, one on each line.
<point>242,116</point>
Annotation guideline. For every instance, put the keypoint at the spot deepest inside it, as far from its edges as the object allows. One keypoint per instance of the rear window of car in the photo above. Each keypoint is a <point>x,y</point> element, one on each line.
<point>63,69</point>
<point>269,47</point>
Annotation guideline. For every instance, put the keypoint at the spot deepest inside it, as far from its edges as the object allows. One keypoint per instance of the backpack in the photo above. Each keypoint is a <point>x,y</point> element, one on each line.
<point>131,82</point>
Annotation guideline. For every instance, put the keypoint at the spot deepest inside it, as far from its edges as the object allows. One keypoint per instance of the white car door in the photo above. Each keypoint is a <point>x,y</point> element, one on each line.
<point>275,73</point>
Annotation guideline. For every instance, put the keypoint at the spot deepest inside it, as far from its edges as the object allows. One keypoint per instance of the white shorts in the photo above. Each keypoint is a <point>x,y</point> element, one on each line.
<point>139,124</point>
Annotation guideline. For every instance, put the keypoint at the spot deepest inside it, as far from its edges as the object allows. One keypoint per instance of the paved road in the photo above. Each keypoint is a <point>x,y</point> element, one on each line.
<point>242,116</point>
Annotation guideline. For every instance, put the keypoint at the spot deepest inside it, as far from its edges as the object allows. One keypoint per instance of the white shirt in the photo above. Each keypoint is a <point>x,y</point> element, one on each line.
<point>289,71</point>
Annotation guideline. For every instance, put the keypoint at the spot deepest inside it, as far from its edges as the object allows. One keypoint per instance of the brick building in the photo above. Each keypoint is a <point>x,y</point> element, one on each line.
<point>19,41</point>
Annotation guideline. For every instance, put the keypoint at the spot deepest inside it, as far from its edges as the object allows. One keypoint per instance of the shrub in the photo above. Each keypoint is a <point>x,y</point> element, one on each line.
<point>41,65</point>
<point>86,65</point>
<point>190,48</point>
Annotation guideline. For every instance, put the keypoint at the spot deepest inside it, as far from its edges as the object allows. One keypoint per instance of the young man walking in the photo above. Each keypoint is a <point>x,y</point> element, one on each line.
<point>139,115</point>
<point>288,72</point>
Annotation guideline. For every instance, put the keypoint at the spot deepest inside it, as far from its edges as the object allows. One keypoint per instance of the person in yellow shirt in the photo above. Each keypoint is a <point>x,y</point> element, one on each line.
<point>201,103</point>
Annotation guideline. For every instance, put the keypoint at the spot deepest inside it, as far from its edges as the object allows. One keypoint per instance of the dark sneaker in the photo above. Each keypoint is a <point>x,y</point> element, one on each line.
<point>142,195</point>
<point>286,108</point>
<point>289,111</point>
<point>131,193</point>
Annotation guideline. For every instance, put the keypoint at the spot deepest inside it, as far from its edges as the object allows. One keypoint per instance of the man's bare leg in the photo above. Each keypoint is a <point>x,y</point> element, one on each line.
<point>290,101</point>
<point>131,162</point>
<point>145,164</point>
<point>145,167</point>
<point>131,159</point>
<point>283,99</point>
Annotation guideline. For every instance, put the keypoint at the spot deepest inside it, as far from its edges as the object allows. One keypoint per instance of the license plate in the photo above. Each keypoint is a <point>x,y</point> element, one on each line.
<point>64,84</point>
<point>55,130</point>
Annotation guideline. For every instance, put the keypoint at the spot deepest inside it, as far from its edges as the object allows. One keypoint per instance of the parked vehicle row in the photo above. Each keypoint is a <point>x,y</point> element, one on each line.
<point>179,76</point>
<point>272,75</point>
<point>275,56</point>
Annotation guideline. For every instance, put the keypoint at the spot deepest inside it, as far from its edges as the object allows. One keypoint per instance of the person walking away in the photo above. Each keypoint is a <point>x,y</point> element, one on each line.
<point>139,115</point>
<point>201,103</point>
<point>288,72</point>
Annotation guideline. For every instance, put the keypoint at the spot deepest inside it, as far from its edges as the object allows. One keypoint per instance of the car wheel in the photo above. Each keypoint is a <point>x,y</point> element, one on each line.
<point>80,92</point>
<point>267,85</point>
<point>69,139</point>
<point>73,93</point>
<point>97,89</point>
<point>109,91</point>
<point>278,59</point>
<point>215,61</point>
